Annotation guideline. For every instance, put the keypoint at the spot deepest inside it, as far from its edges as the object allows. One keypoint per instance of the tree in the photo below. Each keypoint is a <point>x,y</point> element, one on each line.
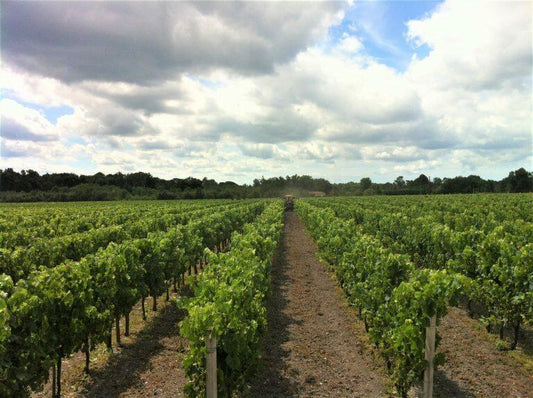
<point>421,180</point>
<point>520,181</point>
<point>9,180</point>
<point>365,183</point>
<point>399,181</point>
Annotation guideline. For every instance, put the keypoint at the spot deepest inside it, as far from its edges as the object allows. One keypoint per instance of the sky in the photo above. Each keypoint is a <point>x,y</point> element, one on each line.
<point>239,90</point>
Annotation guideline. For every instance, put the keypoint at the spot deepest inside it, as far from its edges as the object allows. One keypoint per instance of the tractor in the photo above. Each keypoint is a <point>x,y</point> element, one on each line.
<point>289,202</point>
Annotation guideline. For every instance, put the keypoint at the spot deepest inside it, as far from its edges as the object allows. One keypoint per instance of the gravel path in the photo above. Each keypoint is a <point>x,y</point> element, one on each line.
<point>314,347</point>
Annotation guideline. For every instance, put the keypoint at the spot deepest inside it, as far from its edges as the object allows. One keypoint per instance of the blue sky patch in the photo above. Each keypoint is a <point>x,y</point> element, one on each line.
<point>51,113</point>
<point>54,113</point>
<point>381,27</point>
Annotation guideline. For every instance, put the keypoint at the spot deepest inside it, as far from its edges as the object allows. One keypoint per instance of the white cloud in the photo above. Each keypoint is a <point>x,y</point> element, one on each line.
<point>475,45</point>
<point>349,44</point>
<point>330,112</point>
<point>476,81</point>
<point>20,123</point>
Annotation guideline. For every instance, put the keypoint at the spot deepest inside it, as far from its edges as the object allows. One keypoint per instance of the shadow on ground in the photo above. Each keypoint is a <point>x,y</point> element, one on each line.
<point>125,367</point>
<point>445,388</point>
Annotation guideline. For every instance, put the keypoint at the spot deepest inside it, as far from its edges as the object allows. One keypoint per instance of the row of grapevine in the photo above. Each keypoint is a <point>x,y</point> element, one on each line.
<point>457,211</point>
<point>57,311</point>
<point>395,299</point>
<point>49,252</point>
<point>228,303</point>
<point>26,224</point>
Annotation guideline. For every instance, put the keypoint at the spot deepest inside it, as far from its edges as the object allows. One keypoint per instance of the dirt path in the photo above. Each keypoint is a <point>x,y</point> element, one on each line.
<point>314,346</point>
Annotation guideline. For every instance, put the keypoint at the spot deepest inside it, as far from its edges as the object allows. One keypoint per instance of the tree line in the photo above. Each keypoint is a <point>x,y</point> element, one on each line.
<point>30,186</point>
<point>519,180</point>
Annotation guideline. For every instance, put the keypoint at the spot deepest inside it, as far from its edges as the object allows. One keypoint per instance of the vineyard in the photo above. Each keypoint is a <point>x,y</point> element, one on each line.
<point>71,274</point>
<point>403,260</point>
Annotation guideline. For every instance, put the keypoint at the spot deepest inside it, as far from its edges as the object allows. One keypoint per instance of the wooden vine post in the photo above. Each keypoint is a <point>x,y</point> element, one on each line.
<point>211,350</point>
<point>430,356</point>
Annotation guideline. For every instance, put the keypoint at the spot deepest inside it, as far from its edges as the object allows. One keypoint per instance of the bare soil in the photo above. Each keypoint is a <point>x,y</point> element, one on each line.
<point>148,364</point>
<point>314,347</point>
<point>474,366</point>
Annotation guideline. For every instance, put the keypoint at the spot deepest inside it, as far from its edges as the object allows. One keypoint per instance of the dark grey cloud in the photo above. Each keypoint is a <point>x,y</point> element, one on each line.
<point>122,126</point>
<point>10,129</point>
<point>149,42</point>
<point>148,100</point>
<point>146,103</point>
<point>107,120</point>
